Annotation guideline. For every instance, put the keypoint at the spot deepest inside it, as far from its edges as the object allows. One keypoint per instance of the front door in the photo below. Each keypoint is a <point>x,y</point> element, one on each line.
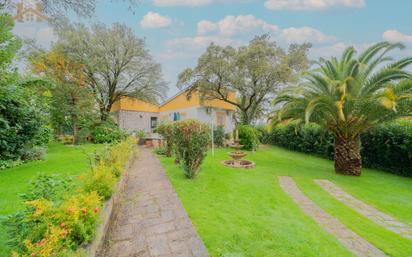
<point>153,122</point>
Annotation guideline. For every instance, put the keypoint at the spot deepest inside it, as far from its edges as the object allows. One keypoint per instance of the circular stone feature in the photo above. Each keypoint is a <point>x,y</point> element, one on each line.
<point>237,155</point>
<point>245,164</point>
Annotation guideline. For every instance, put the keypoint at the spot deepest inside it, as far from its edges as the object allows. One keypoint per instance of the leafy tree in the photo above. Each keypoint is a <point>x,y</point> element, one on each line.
<point>71,99</point>
<point>20,122</point>
<point>255,72</point>
<point>350,95</point>
<point>9,45</point>
<point>115,63</point>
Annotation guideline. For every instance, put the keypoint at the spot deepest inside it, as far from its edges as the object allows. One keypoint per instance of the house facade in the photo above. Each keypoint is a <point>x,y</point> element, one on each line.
<point>133,114</point>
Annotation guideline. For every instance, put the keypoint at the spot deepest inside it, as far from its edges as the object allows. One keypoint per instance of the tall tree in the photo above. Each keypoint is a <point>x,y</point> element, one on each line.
<point>71,99</point>
<point>9,44</point>
<point>115,62</point>
<point>256,72</point>
<point>350,95</point>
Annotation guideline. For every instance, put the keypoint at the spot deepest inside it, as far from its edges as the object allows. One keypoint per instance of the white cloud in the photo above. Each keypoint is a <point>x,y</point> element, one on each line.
<point>154,20</point>
<point>182,2</point>
<point>299,5</point>
<point>203,27</point>
<point>236,31</point>
<point>235,25</point>
<point>305,34</point>
<point>232,25</point>
<point>396,36</point>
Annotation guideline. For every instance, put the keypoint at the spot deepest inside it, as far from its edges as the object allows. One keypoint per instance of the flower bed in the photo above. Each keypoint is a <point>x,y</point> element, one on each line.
<point>57,226</point>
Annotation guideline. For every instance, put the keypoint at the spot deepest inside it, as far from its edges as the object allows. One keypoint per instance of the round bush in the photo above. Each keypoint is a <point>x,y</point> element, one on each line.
<point>107,133</point>
<point>248,137</point>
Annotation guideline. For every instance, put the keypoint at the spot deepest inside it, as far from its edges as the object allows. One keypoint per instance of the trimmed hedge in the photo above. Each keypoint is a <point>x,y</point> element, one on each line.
<point>387,147</point>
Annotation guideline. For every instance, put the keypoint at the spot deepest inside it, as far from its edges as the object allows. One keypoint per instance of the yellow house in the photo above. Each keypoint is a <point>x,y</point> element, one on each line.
<point>133,114</point>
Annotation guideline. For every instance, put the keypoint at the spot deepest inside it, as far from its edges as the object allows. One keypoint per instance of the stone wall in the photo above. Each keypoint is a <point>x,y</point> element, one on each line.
<point>133,121</point>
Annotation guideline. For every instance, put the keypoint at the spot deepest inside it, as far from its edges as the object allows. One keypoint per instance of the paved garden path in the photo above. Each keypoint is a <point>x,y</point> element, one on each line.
<point>347,237</point>
<point>369,211</point>
<point>152,220</point>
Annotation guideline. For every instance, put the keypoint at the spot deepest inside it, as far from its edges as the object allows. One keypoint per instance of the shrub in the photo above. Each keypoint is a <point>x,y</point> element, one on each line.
<point>44,136</point>
<point>166,130</point>
<point>5,164</point>
<point>34,153</point>
<point>107,132</point>
<point>263,134</point>
<point>192,138</point>
<point>55,224</point>
<point>84,136</point>
<point>160,150</point>
<point>219,136</point>
<point>20,122</point>
<point>141,133</point>
<point>101,180</point>
<point>387,146</point>
<point>248,137</point>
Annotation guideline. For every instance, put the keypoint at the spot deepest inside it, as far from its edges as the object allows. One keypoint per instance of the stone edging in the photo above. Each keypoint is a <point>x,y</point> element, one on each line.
<point>109,210</point>
<point>366,210</point>
<point>352,241</point>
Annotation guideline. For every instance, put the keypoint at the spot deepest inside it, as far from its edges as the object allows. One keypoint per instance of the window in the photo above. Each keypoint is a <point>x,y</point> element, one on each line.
<point>220,119</point>
<point>153,122</point>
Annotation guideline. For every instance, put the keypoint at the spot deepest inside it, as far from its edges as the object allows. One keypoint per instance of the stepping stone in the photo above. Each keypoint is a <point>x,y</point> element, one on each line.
<point>362,208</point>
<point>151,221</point>
<point>352,241</point>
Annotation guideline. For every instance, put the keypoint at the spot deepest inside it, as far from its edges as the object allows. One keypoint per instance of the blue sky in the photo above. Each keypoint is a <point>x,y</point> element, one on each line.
<point>178,31</point>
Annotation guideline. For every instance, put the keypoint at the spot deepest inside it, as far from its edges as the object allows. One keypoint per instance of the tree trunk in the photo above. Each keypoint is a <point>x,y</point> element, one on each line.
<point>347,156</point>
<point>74,129</point>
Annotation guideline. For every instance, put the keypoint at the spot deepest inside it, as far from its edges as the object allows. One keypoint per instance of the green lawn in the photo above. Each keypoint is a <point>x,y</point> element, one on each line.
<point>245,212</point>
<point>60,159</point>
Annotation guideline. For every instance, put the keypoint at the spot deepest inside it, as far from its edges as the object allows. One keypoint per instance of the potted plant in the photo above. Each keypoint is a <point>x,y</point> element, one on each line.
<point>141,134</point>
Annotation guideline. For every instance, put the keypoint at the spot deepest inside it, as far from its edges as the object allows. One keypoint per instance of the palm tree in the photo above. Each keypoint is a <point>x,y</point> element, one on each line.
<point>350,95</point>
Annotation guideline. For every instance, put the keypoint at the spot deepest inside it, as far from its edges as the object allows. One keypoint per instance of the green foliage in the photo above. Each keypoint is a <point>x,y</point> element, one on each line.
<point>10,43</point>
<point>141,133</point>
<point>100,180</point>
<point>166,130</point>
<point>160,150</point>
<point>350,95</point>
<point>107,132</point>
<point>219,136</point>
<point>60,217</point>
<point>248,137</point>
<point>34,153</point>
<point>303,138</point>
<point>115,62</point>
<point>44,136</point>
<point>263,133</point>
<point>20,123</point>
<point>255,72</point>
<point>192,139</point>
<point>387,146</point>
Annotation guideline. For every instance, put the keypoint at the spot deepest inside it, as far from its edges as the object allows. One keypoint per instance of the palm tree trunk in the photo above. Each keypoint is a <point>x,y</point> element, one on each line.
<point>347,156</point>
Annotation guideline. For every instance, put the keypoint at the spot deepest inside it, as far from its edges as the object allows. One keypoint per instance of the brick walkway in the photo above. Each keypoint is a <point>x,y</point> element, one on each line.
<point>152,220</point>
<point>369,211</point>
<point>347,237</point>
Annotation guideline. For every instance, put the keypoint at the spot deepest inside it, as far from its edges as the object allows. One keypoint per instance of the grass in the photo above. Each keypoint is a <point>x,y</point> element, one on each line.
<point>245,212</point>
<point>60,159</point>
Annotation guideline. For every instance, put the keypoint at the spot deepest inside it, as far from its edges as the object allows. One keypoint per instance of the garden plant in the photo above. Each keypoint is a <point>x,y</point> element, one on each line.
<point>349,96</point>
